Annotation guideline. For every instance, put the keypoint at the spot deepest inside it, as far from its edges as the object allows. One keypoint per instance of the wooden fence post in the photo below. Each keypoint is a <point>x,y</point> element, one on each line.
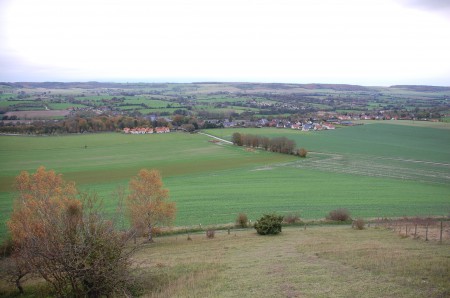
<point>440,234</point>
<point>415,230</point>
<point>426,233</point>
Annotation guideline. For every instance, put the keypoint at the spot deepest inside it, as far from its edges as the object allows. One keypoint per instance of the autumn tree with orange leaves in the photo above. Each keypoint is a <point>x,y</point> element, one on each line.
<point>63,238</point>
<point>42,197</point>
<point>147,202</point>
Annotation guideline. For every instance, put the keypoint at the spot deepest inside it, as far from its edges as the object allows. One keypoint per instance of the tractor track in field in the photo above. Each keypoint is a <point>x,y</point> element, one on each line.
<point>376,166</point>
<point>373,166</point>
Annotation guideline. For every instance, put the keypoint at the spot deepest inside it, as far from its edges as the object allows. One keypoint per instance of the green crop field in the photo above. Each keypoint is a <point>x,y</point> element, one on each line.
<point>372,170</point>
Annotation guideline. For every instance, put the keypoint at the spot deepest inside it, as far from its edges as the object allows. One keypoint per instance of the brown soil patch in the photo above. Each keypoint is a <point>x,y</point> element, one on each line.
<point>38,114</point>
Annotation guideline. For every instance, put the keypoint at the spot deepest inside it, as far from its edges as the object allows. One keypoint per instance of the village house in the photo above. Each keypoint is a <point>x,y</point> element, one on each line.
<point>145,130</point>
<point>328,126</point>
<point>162,129</point>
<point>297,125</point>
<point>307,127</point>
<point>138,130</point>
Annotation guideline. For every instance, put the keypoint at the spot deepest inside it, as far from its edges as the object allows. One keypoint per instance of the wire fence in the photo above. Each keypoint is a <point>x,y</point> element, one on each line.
<point>428,229</point>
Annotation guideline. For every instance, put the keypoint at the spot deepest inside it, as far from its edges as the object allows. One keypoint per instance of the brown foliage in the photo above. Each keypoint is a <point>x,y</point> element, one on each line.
<point>302,152</point>
<point>64,239</point>
<point>210,234</point>
<point>242,220</point>
<point>291,218</point>
<point>147,202</point>
<point>42,196</point>
<point>359,224</point>
<point>279,144</point>
<point>340,214</point>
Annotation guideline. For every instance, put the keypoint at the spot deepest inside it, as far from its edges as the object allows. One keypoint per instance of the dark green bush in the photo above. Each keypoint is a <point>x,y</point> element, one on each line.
<point>269,224</point>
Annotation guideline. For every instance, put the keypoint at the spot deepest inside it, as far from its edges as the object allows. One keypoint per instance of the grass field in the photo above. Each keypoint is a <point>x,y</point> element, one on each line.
<point>373,170</point>
<point>332,261</point>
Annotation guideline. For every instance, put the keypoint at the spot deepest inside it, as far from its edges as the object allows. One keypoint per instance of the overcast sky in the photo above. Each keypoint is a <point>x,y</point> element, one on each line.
<point>366,42</point>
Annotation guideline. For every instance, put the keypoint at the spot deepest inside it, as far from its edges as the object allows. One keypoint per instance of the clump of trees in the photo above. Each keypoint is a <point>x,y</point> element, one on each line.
<point>61,235</point>
<point>278,144</point>
<point>80,124</point>
<point>269,224</point>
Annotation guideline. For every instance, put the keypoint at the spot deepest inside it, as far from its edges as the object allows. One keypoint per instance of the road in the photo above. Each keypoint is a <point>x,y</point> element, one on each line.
<point>214,137</point>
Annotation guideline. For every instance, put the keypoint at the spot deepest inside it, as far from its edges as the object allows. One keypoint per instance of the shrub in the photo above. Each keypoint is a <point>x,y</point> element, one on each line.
<point>359,224</point>
<point>302,152</point>
<point>210,234</point>
<point>269,224</point>
<point>292,218</point>
<point>339,215</point>
<point>242,220</point>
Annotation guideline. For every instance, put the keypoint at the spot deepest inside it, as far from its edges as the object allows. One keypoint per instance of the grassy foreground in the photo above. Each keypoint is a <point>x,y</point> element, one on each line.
<point>316,262</point>
<point>330,261</point>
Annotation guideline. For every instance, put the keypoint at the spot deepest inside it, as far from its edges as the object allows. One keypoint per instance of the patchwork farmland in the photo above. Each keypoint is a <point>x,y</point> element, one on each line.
<point>372,170</point>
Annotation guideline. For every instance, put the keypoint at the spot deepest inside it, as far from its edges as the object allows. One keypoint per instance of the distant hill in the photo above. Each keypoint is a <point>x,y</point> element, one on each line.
<point>279,86</point>
<point>239,85</point>
<point>422,88</point>
<point>81,85</point>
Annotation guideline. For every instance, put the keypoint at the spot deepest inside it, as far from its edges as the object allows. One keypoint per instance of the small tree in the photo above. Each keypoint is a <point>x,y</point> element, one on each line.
<point>302,152</point>
<point>269,224</point>
<point>242,220</point>
<point>237,139</point>
<point>359,224</point>
<point>147,202</point>
<point>188,127</point>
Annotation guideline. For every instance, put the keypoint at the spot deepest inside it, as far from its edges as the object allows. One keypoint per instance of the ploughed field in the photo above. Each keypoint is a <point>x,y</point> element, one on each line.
<point>375,170</point>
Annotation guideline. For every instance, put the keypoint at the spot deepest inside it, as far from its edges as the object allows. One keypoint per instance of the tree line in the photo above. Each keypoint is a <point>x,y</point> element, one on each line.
<point>278,144</point>
<point>61,235</point>
<point>81,124</point>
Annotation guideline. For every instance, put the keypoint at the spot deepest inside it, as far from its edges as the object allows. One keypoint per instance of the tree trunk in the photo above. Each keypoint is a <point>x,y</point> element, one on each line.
<point>19,285</point>
<point>150,235</point>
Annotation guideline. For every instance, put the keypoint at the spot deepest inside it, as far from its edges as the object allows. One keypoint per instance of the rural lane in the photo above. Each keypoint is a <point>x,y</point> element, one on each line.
<point>222,140</point>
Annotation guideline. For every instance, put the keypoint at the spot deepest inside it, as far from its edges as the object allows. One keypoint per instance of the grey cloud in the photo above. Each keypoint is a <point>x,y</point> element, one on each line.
<point>436,6</point>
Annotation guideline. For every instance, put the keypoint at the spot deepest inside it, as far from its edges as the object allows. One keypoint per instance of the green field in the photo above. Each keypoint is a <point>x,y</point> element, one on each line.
<point>373,170</point>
